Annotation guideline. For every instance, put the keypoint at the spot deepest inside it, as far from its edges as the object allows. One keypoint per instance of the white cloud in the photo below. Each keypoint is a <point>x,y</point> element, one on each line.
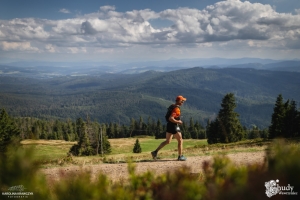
<point>50,48</point>
<point>255,24</point>
<point>9,46</point>
<point>107,8</point>
<point>63,10</point>
<point>75,50</point>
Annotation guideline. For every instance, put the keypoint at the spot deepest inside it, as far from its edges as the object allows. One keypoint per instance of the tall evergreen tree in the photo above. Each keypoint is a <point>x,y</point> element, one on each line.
<point>191,128</point>
<point>83,147</point>
<point>277,122</point>
<point>111,130</point>
<point>159,130</point>
<point>227,128</point>
<point>150,126</point>
<point>212,132</point>
<point>290,124</point>
<point>9,133</point>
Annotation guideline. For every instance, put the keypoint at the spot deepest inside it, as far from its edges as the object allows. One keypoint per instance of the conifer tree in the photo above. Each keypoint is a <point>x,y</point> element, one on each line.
<point>106,145</point>
<point>227,127</point>
<point>159,130</point>
<point>192,130</point>
<point>212,132</point>
<point>137,147</point>
<point>149,126</point>
<point>83,147</point>
<point>111,130</point>
<point>290,124</point>
<point>277,122</point>
<point>9,133</point>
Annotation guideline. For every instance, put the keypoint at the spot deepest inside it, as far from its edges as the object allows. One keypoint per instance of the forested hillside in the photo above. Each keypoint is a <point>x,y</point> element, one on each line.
<point>120,97</point>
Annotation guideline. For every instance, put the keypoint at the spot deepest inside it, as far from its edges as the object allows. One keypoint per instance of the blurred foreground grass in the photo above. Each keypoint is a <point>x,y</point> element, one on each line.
<point>221,179</point>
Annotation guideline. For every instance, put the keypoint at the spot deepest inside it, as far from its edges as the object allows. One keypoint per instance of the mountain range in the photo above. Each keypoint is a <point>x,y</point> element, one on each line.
<point>37,69</point>
<point>126,94</point>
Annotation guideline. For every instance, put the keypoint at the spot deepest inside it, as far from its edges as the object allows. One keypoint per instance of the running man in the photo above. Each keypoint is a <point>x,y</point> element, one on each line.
<point>173,129</point>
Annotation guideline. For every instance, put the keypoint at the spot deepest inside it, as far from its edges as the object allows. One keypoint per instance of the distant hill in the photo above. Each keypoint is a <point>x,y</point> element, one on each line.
<point>120,97</point>
<point>291,66</point>
<point>56,69</point>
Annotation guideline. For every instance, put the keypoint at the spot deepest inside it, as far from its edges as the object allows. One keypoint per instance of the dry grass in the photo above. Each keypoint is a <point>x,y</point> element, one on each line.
<point>47,142</point>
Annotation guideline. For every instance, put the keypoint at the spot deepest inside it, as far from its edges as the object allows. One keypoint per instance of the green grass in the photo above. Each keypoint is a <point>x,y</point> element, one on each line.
<point>48,149</point>
<point>54,152</point>
<point>151,145</point>
<point>125,146</point>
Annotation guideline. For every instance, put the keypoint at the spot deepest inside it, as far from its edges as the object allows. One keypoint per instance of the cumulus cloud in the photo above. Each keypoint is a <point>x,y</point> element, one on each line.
<point>222,22</point>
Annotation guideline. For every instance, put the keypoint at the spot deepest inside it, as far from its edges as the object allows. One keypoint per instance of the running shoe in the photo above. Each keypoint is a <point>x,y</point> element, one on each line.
<point>154,155</point>
<point>181,158</point>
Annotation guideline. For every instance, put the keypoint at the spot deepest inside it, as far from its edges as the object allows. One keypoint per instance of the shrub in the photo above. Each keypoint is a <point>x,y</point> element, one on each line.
<point>137,147</point>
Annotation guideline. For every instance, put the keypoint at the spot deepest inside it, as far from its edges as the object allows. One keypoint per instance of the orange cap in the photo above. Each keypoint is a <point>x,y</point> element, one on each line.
<point>180,98</point>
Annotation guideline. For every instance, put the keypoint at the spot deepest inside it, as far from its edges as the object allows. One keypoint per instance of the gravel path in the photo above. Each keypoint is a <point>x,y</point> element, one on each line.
<point>117,172</point>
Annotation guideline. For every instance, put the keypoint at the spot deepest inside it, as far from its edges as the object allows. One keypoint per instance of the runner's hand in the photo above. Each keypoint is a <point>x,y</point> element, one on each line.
<point>179,122</point>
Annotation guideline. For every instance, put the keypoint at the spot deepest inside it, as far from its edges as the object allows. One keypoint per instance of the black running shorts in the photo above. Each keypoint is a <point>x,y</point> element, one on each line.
<point>172,128</point>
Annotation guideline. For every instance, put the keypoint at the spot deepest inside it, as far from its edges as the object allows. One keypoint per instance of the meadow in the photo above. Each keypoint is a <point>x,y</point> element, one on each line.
<point>51,153</point>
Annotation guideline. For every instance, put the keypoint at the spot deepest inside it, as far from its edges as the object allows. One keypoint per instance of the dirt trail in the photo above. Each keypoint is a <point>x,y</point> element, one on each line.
<point>119,171</point>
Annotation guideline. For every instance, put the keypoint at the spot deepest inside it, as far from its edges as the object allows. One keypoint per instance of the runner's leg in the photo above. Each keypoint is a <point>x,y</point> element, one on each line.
<point>178,136</point>
<point>169,137</point>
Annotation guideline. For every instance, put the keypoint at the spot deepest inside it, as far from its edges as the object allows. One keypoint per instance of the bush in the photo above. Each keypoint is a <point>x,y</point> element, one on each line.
<point>137,147</point>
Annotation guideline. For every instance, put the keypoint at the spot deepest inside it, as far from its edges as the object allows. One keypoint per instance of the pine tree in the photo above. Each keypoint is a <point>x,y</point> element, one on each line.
<point>192,129</point>
<point>106,145</point>
<point>83,147</point>
<point>149,127</point>
<point>111,130</point>
<point>227,127</point>
<point>254,133</point>
<point>9,133</point>
<point>213,133</point>
<point>277,122</point>
<point>290,126</point>
<point>159,130</point>
<point>137,147</point>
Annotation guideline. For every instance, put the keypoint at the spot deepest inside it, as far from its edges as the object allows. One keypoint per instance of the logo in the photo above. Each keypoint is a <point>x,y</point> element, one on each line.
<point>17,191</point>
<point>273,188</point>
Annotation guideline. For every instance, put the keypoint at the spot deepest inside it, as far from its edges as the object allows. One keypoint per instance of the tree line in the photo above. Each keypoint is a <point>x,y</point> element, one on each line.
<point>227,128</point>
<point>92,137</point>
<point>34,128</point>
